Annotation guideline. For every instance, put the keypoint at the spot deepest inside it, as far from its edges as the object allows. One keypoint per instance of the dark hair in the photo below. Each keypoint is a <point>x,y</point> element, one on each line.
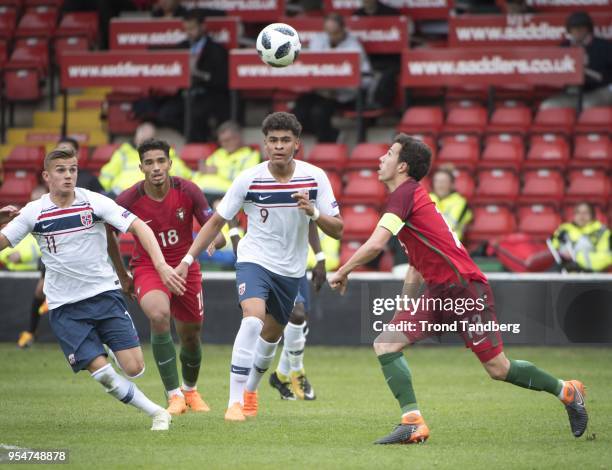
<point>579,19</point>
<point>153,144</point>
<point>57,155</point>
<point>281,121</point>
<point>69,140</point>
<point>336,18</point>
<point>590,206</point>
<point>414,153</point>
<point>447,171</point>
<point>195,14</point>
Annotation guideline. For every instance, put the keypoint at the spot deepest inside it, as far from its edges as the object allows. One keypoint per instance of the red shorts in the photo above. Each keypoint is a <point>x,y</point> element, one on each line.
<point>468,310</point>
<point>189,307</point>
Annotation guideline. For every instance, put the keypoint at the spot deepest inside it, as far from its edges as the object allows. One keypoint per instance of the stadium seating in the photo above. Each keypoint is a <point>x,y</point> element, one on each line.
<point>597,119</point>
<point>464,183</point>
<point>336,183</point>
<point>490,222</point>
<point>193,154</point>
<point>502,151</point>
<point>17,187</point>
<point>363,187</point>
<point>121,120</point>
<point>421,120</point>
<point>554,120</point>
<point>367,155</point>
<point>359,221</point>
<point>510,119</point>
<point>542,186</point>
<point>25,157</point>
<point>470,120</point>
<point>588,184</point>
<point>547,151</point>
<point>101,156</point>
<point>537,220</point>
<point>592,151</point>
<point>348,249</point>
<point>459,150</point>
<point>497,186</point>
<point>567,211</point>
<point>333,157</point>
<point>8,21</point>
<point>37,22</point>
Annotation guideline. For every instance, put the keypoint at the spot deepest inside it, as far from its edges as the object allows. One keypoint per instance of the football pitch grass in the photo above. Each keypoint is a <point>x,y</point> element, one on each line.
<point>475,422</point>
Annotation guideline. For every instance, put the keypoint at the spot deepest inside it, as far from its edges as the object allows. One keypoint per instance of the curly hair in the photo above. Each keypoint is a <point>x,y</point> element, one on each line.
<point>281,121</point>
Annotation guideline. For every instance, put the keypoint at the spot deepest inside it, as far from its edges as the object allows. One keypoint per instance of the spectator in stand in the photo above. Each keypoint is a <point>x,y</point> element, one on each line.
<point>85,179</point>
<point>597,88</point>
<point>226,163</point>
<point>375,8</point>
<point>452,205</point>
<point>585,244</point>
<point>208,95</point>
<point>315,110</point>
<point>169,9</point>
<point>518,7</point>
<point>123,169</point>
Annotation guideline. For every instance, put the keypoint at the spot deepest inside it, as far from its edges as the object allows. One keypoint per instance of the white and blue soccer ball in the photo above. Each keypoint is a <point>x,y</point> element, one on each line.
<point>278,45</point>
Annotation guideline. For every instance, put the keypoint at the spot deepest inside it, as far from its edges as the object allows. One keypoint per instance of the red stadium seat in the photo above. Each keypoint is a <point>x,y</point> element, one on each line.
<point>490,222</point>
<point>31,53</point>
<point>598,119</point>
<point>77,32</point>
<point>37,22</point>
<point>590,185</point>
<point>510,119</point>
<point>537,220</point>
<point>367,155</point>
<point>559,120</point>
<point>121,120</point>
<point>501,151</point>
<point>22,83</point>
<point>17,187</point>
<point>193,154</point>
<point>592,151</point>
<point>359,221</point>
<point>363,187</point>
<point>101,156</point>
<point>8,21</point>
<point>547,151</point>
<point>542,186</point>
<point>421,120</point>
<point>497,186</point>
<point>25,157</point>
<point>329,156</point>
<point>459,150</point>
<point>466,120</point>
<point>348,249</point>
<point>464,183</point>
<point>336,183</point>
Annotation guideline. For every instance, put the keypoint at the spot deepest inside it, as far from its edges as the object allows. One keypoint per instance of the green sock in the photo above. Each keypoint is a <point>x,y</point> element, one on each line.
<point>398,377</point>
<point>526,375</point>
<point>164,353</point>
<point>190,361</point>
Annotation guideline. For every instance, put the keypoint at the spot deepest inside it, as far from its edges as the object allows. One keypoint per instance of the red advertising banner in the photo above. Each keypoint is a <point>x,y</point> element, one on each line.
<point>250,11</point>
<point>415,9</point>
<point>565,5</point>
<point>311,70</point>
<point>143,69</point>
<point>517,30</point>
<point>378,34</point>
<point>555,66</point>
<point>130,33</point>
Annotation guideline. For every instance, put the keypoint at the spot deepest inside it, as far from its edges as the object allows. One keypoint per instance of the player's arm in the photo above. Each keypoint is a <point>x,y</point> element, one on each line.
<point>112,247</point>
<point>147,239</point>
<point>4,243</point>
<point>412,283</point>
<point>8,213</point>
<point>234,234</point>
<point>331,225</point>
<point>319,274</point>
<point>205,236</point>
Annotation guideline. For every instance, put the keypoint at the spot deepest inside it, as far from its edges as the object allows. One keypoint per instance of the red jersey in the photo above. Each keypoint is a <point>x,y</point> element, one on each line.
<point>171,219</point>
<point>432,248</point>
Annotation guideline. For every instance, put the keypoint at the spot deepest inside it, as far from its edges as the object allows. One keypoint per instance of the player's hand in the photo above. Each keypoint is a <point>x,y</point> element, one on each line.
<point>127,285</point>
<point>172,280</point>
<point>8,213</point>
<point>304,203</point>
<point>338,281</point>
<point>319,275</point>
<point>182,270</point>
<point>211,249</point>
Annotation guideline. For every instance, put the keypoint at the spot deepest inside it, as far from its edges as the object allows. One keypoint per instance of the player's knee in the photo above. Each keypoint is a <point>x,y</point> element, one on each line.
<point>382,347</point>
<point>497,369</point>
<point>135,368</point>
<point>160,320</point>
<point>298,315</point>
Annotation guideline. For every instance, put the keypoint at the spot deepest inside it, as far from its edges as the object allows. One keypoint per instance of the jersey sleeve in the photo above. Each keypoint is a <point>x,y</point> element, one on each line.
<point>18,228</point>
<point>326,201</point>
<point>400,202</point>
<point>111,212</point>
<point>201,210</point>
<point>234,197</point>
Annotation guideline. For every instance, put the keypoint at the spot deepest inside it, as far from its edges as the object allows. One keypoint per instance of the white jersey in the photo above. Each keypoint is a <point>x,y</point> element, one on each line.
<point>73,243</point>
<point>277,235</point>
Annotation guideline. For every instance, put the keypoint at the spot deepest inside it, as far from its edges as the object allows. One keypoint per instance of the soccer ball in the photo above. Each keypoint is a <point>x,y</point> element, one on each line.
<point>278,45</point>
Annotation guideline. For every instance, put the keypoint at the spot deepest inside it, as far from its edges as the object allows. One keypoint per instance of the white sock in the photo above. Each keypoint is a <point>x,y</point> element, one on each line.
<point>242,357</point>
<point>175,391</point>
<point>283,363</point>
<point>560,396</point>
<point>294,344</point>
<point>124,390</point>
<point>264,355</point>
<point>187,388</point>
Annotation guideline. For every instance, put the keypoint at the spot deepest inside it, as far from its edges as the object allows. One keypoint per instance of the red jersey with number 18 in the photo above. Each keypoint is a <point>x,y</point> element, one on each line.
<point>432,248</point>
<point>171,219</point>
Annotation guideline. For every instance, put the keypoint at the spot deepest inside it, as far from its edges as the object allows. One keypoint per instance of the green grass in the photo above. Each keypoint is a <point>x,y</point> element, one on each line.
<point>475,422</point>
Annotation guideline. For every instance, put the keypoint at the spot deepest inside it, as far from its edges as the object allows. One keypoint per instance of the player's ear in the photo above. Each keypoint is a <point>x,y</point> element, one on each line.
<point>45,175</point>
<point>402,167</point>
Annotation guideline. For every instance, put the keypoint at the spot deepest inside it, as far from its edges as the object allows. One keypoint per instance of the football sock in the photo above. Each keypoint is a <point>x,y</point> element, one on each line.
<point>164,353</point>
<point>264,355</point>
<point>124,390</point>
<point>398,378</point>
<point>242,357</point>
<point>526,375</point>
<point>283,369</point>
<point>294,345</point>
<point>190,364</point>
<point>34,315</point>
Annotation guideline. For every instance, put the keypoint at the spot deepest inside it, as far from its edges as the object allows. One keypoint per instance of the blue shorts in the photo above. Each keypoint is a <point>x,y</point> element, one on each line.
<point>303,296</point>
<point>279,292</point>
<point>83,327</point>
